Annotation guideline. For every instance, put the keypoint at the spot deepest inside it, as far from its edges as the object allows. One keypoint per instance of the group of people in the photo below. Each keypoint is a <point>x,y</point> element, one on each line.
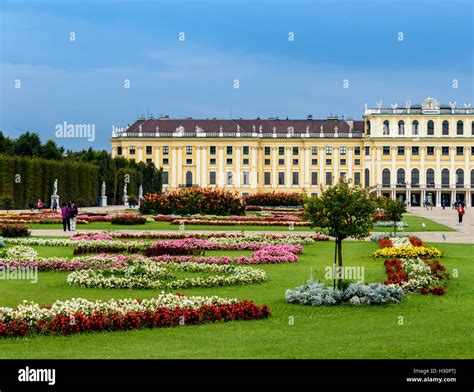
<point>69,216</point>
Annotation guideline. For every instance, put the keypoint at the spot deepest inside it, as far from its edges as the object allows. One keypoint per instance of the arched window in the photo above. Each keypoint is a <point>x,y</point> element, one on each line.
<point>386,128</point>
<point>430,128</point>
<point>386,178</point>
<point>401,178</point>
<point>189,178</point>
<point>460,178</point>
<point>368,128</point>
<point>415,127</point>
<point>445,178</point>
<point>430,178</point>
<point>401,127</point>
<point>472,178</point>
<point>415,178</point>
<point>367,178</point>
<point>445,128</point>
<point>460,128</point>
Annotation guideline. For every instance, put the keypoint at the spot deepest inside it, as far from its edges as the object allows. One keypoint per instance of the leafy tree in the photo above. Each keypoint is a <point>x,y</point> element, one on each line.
<point>394,210</point>
<point>341,211</point>
<point>7,203</point>
<point>51,151</point>
<point>6,144</point>
<point>27,145</point>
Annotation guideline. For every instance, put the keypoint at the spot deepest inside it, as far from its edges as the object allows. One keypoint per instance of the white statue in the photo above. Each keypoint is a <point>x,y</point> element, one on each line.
<point>103,198</point>
<point>140,192</point>
<point>55,187</point>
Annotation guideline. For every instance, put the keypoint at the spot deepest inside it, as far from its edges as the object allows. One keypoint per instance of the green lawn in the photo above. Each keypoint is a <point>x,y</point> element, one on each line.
<point>434,327</point>
<point>414,222</point>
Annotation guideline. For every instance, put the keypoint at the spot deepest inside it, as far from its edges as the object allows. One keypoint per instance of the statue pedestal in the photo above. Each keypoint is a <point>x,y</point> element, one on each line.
<point>54,198</point>
<point>103,201</point>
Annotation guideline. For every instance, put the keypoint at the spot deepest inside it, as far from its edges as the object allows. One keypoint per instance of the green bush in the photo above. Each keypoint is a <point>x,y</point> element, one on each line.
<point>275,199</point>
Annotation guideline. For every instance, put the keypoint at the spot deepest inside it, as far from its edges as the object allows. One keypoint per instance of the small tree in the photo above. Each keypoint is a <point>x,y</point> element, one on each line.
<point>394,210</point>
<point>342,211</point>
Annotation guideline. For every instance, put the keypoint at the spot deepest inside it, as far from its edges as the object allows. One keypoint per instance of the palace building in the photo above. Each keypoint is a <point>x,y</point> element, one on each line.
<point>416,153</point>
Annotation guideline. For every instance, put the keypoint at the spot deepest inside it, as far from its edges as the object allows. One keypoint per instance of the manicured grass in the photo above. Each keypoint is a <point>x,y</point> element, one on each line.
<point>433,327</point>
<point>414,222</point>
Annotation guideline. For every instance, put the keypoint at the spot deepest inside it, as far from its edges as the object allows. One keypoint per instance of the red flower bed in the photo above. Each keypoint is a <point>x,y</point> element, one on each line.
<point>415,241</point>
<point>113,321</point>
<point>385,243</point>
<point>395,272</point>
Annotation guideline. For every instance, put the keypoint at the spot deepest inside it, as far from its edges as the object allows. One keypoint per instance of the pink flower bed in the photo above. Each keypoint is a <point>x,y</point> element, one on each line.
<point>90,236</point>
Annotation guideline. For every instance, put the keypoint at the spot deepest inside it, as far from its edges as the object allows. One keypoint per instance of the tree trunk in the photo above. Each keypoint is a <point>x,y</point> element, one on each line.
<point>339,255</point>
<point>334,269</point>
<point>395,227</point>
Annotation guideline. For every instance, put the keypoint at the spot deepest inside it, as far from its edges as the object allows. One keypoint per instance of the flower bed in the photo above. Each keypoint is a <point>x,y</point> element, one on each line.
<point>245,222</point>
<point>128,219</point>
<point>399,241</point>
<point>400,225</point>
<point>159,275</point>
<point>408,252</point>
<point>316,294</point>
<point>81,315</point>
<point>417,275</point>
<point>15,230</point>
<point>194,200</point>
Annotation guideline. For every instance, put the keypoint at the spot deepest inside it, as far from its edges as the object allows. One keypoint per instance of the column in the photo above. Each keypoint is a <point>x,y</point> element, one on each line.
<point>288,176</point>
<point>174,169</point>
<point>198,165</point>
<point>179,165</point>
<point>156,160</point>
<point>452,168</point>
<point>322,176</point>
<point>422,168</point>
<point>139,154</point>
<point>335,163</point>
<point>274,168</point>
<point>204,166</point>
<point>220,167</point>
<point>438,175</point>
<point>253,165</point>
<point>349,165</point>
<point>393,170</point>
<point>307,167</point>
<point>379,167</point>
<point>237,167</point>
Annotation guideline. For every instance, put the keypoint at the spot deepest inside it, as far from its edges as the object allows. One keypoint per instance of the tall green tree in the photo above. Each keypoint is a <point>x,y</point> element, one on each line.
<point>342,211</point>
<point>28,144</point>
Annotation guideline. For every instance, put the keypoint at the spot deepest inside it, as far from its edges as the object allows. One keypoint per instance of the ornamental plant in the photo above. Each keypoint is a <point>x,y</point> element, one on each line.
<point>128,219</point>
<point>194,200</point>
<point>15,230</point>
<point>408,252</point>
<point>275,199</point>
<point>341,211</point>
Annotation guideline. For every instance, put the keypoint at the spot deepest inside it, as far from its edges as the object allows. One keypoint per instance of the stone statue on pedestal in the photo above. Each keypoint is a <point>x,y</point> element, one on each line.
<point>103,198</point>
<point>55,197</point>
<point>125,195</point>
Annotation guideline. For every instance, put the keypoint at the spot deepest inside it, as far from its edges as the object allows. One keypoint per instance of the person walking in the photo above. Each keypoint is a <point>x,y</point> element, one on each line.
<point>40,205</point>
<point>461,212</point>
<point>55,205</point>
<point>73,212</point>
<point>65,218</point>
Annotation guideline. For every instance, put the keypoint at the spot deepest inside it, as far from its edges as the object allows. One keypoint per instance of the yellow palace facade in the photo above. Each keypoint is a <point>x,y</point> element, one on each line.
<point>416,153</point>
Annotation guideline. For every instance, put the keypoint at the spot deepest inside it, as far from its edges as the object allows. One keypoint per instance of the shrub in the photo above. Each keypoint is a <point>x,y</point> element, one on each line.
<point>316,294</point>
<point>275,199</point>
<point>128,219</point>
<point>188,201</point>
<point>7,203</point>
<point>19,230</point>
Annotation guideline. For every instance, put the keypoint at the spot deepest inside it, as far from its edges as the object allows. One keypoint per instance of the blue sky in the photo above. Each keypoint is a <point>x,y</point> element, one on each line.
<point>82,82</point>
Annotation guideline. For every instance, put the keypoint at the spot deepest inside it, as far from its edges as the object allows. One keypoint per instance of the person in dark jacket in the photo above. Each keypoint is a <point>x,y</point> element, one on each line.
<point>65,217</point>
<point>73,218</point>
<point>32,205</point>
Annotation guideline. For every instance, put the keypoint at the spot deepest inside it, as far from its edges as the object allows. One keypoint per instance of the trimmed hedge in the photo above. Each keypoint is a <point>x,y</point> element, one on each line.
<point>18,230</point>
<point>24,179</point>
<point>275,199</point>
<point>128,219</point>
<point>187,201</point>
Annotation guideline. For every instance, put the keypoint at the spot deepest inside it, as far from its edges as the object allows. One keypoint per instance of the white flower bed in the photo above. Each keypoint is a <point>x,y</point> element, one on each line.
<point>21,253</point>
<point>419,274</point>
<point>150,275</point>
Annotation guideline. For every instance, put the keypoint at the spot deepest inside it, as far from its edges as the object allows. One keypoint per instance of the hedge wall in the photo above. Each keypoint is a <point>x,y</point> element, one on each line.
<point>32,178</point>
